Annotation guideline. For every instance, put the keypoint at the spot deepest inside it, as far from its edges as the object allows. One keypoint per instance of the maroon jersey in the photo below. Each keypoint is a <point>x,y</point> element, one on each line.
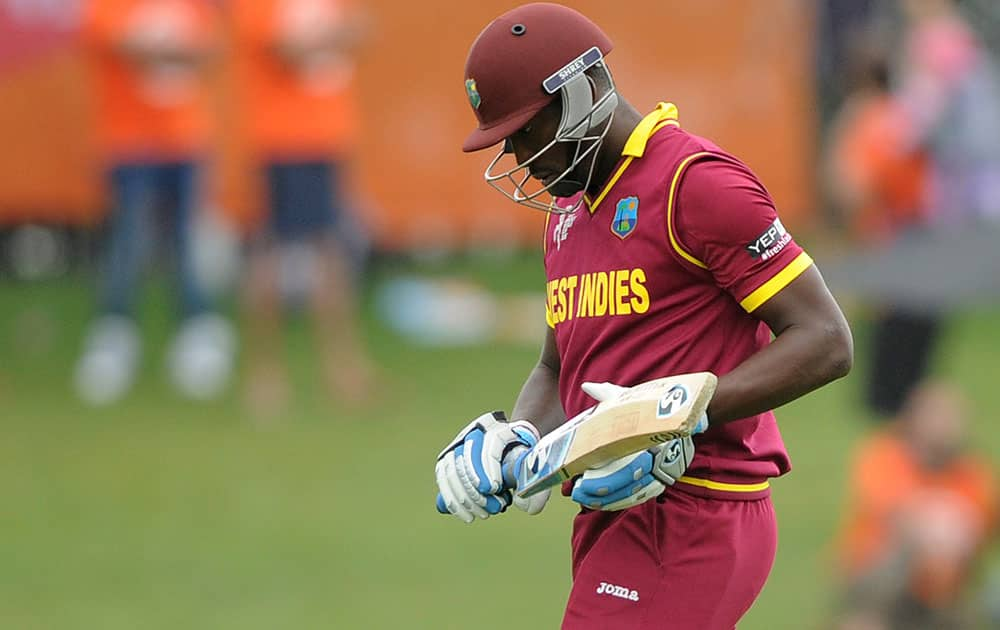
<point>659,274</point>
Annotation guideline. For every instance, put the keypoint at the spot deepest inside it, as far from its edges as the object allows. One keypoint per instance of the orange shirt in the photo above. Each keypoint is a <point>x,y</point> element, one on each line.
<point>150,108</point>
<point>887,482</point>
<point>296,109</point>
<point>870,156</point>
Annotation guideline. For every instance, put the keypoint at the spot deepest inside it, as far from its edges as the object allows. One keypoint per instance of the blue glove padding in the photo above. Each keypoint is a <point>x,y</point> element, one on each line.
<point>495,503</point>
<point>484,481</point>
<point>634,479</point>
<point>629,478</point>
<point>702,425</point>
<point>469,470</point>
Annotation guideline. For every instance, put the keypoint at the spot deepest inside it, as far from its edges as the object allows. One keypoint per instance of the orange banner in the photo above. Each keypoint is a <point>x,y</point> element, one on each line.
<point>739,70</point>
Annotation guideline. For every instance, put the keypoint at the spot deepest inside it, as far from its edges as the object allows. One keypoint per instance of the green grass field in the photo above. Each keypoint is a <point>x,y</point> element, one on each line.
<point>160,513</point>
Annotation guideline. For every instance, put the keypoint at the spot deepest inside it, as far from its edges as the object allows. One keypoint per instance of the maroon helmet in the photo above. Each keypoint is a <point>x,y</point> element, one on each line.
<point>521,62</point>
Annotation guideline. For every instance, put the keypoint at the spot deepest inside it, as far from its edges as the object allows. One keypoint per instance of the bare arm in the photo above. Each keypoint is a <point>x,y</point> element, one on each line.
<point>538,402</point>
<point>812,347</point>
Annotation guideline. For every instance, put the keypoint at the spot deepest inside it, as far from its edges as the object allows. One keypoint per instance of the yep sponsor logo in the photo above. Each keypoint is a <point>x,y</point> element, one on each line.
<point>770,242</point>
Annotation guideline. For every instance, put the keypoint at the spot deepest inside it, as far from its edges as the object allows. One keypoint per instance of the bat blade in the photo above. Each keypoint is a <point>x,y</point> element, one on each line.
<point>648,414</point>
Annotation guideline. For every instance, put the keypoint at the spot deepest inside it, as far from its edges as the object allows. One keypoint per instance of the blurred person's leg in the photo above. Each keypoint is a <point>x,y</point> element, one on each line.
<point>335,302</point>
<point>348,368</point>
<point>107,367</point>
<point>902,347</point>
<point>200,358</point>
<point>305,255</point>
<point>183,196</point>
<point>134,192</point>
<point>266,389</point>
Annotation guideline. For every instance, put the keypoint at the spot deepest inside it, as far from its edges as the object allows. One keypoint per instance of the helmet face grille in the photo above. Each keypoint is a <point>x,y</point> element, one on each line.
<point>584,124</point>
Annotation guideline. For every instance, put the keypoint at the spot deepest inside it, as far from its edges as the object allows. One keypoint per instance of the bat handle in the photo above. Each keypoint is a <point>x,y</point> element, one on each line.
<point>441,507</point>
<point>509,466</point>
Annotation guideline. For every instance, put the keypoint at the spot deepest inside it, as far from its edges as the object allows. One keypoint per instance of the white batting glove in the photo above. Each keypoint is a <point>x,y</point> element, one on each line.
<point>469,470</point>
<point>602,391</point>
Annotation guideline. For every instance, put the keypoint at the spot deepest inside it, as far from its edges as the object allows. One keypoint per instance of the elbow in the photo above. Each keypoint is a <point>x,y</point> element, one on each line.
<point>839,351</point>
<point>840,365</point>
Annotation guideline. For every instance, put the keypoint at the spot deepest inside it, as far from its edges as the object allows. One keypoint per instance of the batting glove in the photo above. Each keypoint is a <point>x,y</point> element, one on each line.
<point>633,479</point>
<point>469,470</point>
<point>628,481</point>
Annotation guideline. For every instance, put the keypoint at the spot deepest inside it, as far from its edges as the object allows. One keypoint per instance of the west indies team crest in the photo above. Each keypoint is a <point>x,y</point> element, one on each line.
<point>473,92</point>
<point>626,216</point>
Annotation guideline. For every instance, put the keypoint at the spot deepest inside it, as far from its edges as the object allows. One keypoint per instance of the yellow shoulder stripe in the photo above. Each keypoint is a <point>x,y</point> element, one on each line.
<point>671,200</point>
<point>727,487</point>
<point>779,281</point>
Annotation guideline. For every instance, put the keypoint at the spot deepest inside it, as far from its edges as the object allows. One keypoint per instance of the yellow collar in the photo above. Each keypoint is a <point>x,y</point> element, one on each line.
<point>636,144</point>
<point>664,114</point>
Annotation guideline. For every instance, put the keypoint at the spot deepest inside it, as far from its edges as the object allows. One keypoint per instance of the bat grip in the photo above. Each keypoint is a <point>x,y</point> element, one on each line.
<point>509,466</point>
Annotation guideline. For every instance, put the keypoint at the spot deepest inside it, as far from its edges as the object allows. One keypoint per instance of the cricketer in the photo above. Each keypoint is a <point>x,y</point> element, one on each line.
<point>664,255</point>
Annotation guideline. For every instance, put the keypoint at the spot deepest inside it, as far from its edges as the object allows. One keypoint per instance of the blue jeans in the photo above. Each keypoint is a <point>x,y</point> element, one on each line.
<point>168,192</point>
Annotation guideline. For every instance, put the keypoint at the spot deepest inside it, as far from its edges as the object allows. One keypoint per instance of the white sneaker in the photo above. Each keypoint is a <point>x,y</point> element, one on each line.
<point>200,360</point>
<point>107,368</point>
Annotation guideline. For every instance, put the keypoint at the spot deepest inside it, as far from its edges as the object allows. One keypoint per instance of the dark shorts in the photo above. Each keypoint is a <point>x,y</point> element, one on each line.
<point>680,562</point>
<point>305,198</point>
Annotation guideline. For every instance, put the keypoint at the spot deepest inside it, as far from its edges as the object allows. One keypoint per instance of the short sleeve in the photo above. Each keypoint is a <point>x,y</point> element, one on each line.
<point>726,221</point>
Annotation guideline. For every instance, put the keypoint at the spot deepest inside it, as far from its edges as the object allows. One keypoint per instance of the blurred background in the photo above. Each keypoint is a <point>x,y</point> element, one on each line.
<point>249,286</point>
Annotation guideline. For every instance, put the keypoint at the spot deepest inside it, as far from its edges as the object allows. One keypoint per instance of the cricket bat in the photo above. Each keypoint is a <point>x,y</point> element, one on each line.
<point>642,416</point>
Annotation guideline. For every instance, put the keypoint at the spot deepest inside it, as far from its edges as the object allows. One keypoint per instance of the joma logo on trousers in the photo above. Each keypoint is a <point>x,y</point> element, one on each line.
<point>617,591</point>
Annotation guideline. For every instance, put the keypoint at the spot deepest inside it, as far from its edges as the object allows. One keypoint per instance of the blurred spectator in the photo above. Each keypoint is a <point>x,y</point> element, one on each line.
<point>877,180</point>
<point>149,63</point>
<point>922,508</point>
<point>296,76</point>
<point>950,89</point>
<point>915,158</point>
<point>876,177</point>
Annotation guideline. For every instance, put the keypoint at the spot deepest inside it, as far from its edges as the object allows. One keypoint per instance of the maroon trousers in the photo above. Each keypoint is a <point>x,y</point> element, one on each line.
<point>680,562</point>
